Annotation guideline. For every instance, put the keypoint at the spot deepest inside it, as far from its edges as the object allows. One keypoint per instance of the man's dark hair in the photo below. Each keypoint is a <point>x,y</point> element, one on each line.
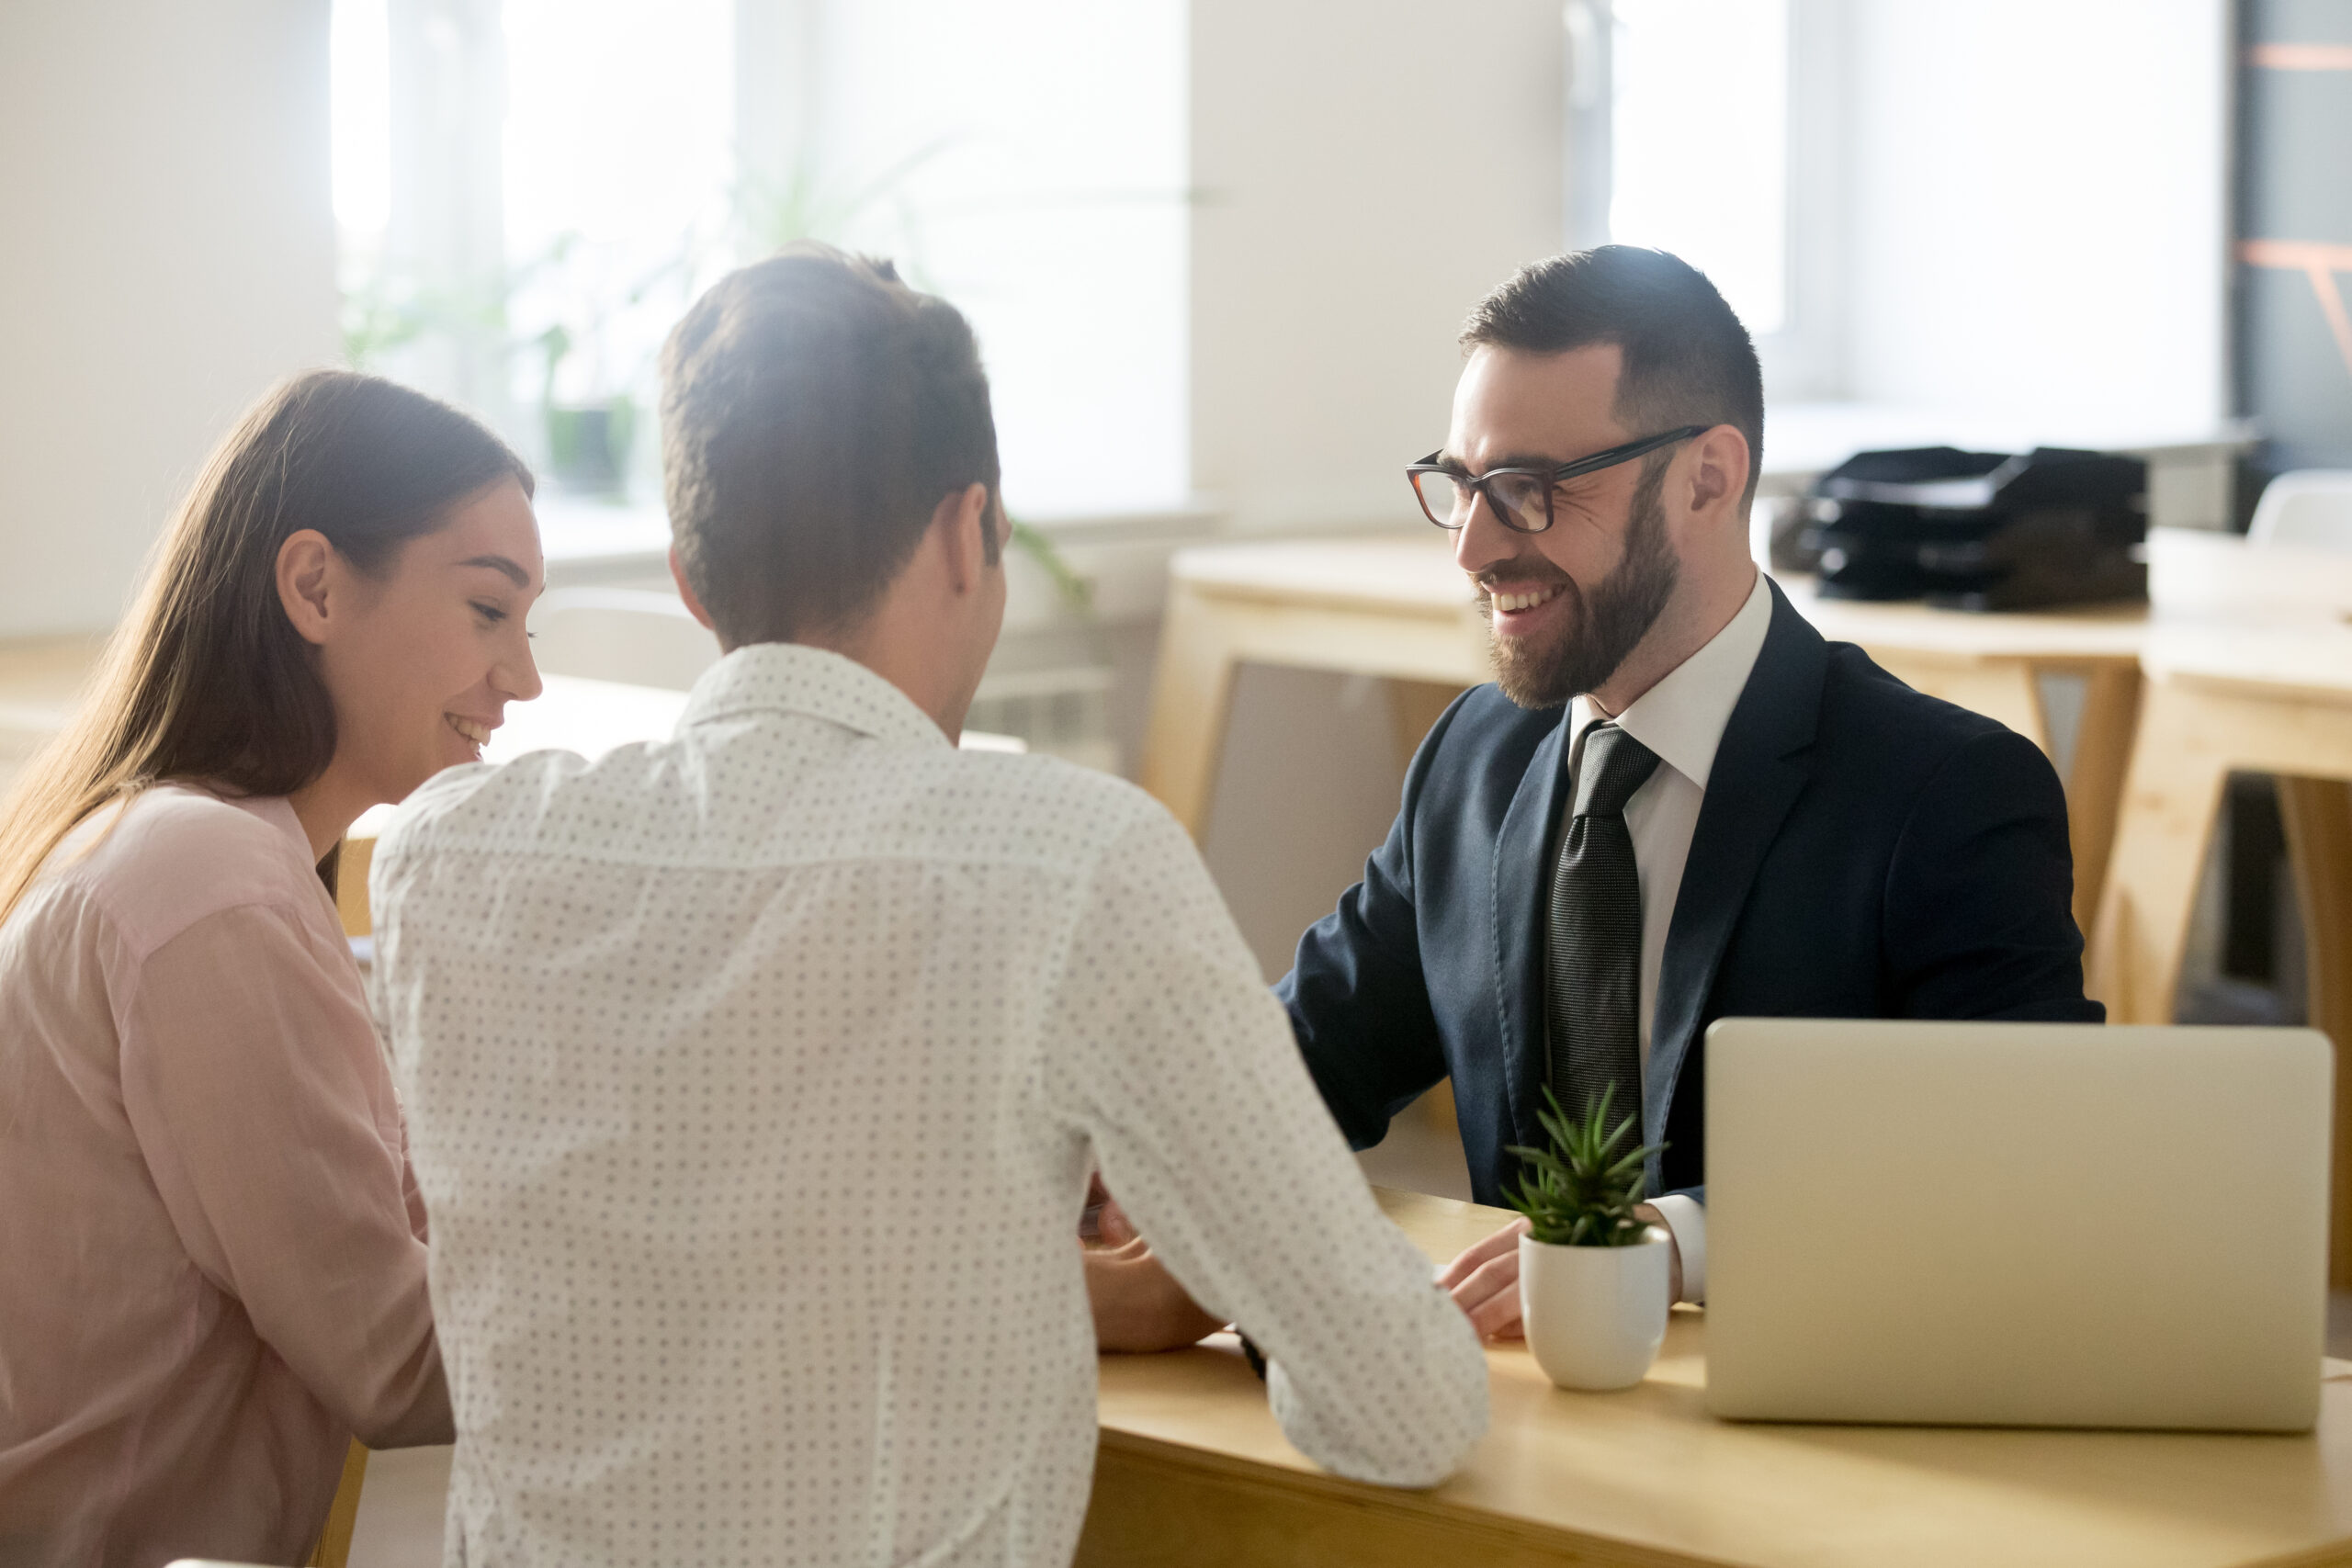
<point>1687,358</point>
<point>815,410</point>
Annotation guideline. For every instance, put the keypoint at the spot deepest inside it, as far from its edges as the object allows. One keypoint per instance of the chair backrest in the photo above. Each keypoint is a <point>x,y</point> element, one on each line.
<point>333,1549</point>
<point>342,1515</point>
<point>2309,507</point>
<point>636,635</point>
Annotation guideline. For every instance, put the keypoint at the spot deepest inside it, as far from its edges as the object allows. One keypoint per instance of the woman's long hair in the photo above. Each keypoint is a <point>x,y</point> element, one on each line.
<point>206,678</point>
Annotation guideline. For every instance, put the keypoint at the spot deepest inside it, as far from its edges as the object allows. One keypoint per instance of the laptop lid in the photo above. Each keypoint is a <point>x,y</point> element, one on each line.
<point>2017,1224</point>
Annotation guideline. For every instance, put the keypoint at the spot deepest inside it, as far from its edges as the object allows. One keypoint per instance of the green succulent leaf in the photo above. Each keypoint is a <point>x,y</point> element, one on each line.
<point>1582,1192</point>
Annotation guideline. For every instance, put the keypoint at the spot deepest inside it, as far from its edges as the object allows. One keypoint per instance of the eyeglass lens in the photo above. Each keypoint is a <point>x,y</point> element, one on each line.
<point>1446,499</point>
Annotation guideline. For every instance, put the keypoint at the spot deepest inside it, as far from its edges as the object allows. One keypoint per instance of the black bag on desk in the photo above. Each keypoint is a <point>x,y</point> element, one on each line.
<point>1982,530</point>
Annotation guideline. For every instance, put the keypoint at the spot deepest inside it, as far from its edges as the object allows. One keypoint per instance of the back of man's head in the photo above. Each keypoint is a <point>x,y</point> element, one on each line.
<point>815,410</point>
<point>1687,360</point>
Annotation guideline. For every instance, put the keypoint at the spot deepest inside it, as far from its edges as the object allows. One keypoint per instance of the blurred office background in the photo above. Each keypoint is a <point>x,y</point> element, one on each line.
<point>1216,252</point>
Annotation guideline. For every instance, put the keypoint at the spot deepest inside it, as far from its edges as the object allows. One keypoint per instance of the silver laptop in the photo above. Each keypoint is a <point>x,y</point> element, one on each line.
<point>2017,1224</point>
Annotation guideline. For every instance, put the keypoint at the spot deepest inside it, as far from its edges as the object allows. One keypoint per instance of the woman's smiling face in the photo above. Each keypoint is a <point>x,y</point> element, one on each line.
<point>430,651</point>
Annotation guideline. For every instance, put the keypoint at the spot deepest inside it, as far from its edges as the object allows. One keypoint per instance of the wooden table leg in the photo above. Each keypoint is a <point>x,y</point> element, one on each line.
<point>1191,698</point>
<point>2095,780</point>
<point>2171,797</point>
<point>351,886</point>
<point>2318,815</point>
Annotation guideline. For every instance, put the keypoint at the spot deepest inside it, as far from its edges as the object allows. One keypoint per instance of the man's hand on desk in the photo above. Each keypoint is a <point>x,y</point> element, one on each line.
<point>1485,1279</point>
<point>1138,1305</point>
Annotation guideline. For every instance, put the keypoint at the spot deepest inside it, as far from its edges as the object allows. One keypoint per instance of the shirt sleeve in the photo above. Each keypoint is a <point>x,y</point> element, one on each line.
<point>1166,1050</point>
<point>260,1097</point>
<point>1686,1218</point>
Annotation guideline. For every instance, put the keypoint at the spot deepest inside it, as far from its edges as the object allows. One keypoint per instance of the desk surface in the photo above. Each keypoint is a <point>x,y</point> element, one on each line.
<point>1646,1476</point>
<point>1408,575</point>
<point>2194,577</point>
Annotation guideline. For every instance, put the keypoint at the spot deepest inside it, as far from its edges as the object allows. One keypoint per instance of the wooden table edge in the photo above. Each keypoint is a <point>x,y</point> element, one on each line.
<point>2262,688</point>
<point>1475,1527</point>
<point>1287,597</point>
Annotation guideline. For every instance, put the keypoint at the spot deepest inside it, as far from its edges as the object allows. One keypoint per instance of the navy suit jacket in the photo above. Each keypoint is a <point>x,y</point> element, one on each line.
<point>1862,852</point>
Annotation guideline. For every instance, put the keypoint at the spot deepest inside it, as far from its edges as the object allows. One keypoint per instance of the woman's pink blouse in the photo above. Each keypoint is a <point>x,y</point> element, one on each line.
<point>212,1252</point>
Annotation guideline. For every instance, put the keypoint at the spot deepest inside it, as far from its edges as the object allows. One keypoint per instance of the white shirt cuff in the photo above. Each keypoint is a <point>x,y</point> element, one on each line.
<point>1685,1219</point>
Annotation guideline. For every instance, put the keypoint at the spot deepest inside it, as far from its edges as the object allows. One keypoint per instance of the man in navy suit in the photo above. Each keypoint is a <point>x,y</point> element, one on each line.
<point>1677,802</point>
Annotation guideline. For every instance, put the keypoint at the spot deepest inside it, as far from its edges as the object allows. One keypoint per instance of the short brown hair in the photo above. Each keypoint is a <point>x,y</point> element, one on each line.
<point>815,410</point>
<point>1687,358</point>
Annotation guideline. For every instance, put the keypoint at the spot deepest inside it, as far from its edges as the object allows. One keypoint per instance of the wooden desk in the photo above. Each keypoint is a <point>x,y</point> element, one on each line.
<point>1393,607</point>
<point>40,681</point>
<point>1396,606</point>
<point>1193,1470</point>
<point>2222,699</point>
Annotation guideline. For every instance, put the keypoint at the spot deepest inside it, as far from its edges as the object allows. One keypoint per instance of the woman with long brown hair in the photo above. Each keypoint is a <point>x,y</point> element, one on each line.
<point>212,1254</point>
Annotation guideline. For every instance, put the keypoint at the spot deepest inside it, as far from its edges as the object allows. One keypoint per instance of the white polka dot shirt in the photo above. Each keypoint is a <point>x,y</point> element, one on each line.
<point>754,1081</point>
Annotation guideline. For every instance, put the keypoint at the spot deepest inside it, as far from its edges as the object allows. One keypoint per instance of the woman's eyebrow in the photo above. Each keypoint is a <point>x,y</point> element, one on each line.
<point>520,577</point>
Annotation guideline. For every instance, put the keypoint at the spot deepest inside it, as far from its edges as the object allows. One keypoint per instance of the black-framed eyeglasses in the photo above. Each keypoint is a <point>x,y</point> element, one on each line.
<point>1521,498</point>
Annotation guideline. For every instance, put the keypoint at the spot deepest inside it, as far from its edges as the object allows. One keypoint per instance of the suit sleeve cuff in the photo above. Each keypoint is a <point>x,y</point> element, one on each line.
<point>1686,1218</point>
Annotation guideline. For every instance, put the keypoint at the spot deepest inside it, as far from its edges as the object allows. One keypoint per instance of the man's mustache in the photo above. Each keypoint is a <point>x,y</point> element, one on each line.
<point>1536,570</point>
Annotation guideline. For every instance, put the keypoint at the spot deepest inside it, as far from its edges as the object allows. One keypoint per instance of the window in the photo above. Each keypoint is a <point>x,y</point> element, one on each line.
<point>1699,143</point>
<point>531,191</point>
<point>1687,131</point>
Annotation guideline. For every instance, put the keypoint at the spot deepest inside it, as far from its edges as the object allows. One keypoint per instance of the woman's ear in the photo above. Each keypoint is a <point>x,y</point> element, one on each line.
<point>305,564</point>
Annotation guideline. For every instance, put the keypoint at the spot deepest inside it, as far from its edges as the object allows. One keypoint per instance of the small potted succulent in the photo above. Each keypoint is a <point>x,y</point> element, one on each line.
<point>1592,1277</point>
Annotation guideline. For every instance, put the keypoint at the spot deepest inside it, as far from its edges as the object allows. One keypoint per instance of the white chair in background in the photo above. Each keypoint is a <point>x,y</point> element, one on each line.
<point>2308,507</point>
<point>634,634</point>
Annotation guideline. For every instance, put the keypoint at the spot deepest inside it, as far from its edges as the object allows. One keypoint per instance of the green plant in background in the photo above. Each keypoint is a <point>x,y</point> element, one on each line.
<point>1076,591</point>
<point>806,205</point>
<point>1581,1192</point>
<point>383,312</point>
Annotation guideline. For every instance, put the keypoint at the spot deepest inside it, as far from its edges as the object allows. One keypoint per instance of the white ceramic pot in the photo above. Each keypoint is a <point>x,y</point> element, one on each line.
<point>1595,1315</point>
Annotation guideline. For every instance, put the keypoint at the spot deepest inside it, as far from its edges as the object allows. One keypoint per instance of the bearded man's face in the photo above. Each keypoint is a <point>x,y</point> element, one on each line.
<point>1567,606</point>
<point>1598,628</point>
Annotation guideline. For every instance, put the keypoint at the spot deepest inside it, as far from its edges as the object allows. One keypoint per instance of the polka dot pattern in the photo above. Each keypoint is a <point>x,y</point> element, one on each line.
<point>754,1080</point>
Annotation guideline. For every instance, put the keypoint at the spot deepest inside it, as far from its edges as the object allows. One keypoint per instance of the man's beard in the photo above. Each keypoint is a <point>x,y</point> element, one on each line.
<point>1603,626</point>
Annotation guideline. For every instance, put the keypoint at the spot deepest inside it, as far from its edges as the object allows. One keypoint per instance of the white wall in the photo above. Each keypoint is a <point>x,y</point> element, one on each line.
<point>1041,152</point>
<point>169,253</point>
<point>2039,228</point>
<point>1365,173</point>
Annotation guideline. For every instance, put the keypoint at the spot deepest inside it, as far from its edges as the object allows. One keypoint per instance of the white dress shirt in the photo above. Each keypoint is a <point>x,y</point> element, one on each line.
<point>754,1079</point>
<point>1682,719</point>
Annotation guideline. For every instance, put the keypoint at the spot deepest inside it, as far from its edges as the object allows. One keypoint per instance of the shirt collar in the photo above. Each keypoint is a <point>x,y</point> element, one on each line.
<point>1682,718</point>
<point>792,677</point>
<point>279,812</point>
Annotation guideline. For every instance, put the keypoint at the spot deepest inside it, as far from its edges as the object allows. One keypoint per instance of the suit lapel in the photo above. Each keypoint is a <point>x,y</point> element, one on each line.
<point>1758,776</point>
<point>1518,888</point>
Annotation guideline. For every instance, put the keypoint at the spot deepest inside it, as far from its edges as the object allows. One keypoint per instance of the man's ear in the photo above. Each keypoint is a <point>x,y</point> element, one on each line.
<point>963,519</point>
<point>686,591</point>
<point>305,573</point>
<point>1720,476</point>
